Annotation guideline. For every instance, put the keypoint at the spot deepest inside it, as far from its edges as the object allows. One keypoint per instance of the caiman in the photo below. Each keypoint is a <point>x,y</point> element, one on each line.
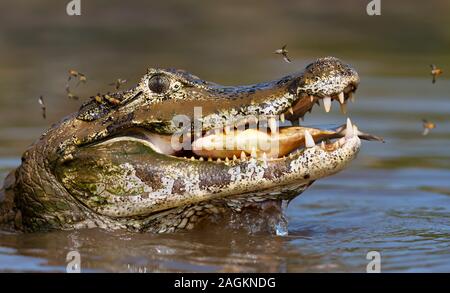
<point>176,153</point>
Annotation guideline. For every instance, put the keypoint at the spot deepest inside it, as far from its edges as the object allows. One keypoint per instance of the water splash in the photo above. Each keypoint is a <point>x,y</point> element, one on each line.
<point>281,226</point>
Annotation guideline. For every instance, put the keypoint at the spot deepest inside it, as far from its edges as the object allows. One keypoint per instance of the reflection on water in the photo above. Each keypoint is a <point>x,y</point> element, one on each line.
<point>395,198</point>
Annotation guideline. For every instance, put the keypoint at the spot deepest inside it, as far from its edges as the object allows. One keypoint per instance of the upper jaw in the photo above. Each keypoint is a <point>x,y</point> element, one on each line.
<point>322,82</point>
<point>325,80</point>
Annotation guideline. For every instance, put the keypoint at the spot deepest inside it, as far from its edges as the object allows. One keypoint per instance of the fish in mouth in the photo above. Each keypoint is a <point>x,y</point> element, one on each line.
<point>177,153</point>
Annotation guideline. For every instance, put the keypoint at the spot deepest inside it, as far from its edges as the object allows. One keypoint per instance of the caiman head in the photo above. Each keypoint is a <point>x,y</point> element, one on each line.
<point>176,152</point>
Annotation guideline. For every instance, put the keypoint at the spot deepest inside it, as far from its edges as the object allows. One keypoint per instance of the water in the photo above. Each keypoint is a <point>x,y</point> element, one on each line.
<point>394,198</point>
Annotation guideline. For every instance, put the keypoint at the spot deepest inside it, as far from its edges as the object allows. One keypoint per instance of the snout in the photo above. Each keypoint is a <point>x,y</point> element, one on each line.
<point>328,77</point>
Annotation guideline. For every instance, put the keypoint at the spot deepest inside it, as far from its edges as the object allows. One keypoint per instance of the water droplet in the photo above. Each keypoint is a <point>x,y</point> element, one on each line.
<point>281,226</point>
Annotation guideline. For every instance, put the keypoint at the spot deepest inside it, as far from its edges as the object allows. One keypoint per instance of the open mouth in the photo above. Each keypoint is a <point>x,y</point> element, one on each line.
<point>264,137</point>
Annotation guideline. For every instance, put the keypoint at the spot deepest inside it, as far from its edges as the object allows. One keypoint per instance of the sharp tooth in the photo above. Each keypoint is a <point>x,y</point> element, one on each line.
<point>322,145</point>
<point>219,160</point>
<point>291,111</point>
<point>272,125</point>
<point>355,130</point>
<point>201,159</point>
<point>343,108</point>
<point>243,156</point>
<point>309,141</point>
<point>341,97</point>
<point>253,153</point>
<point>327,104</point>
<point>264,156</point>
<point>227,129</point>
<point>226,159</point>
<point>234,158</point>
<point>349,129</point>
<point>311,98</point>
<point>192,158</point>
<point>282,118</point>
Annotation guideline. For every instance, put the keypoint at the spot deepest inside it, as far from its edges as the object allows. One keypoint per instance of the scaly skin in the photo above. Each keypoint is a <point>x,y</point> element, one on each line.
<point>87,171</point>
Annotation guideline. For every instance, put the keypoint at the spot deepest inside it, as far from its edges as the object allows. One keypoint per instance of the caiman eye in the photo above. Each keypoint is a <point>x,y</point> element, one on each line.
<point>158,84</point>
